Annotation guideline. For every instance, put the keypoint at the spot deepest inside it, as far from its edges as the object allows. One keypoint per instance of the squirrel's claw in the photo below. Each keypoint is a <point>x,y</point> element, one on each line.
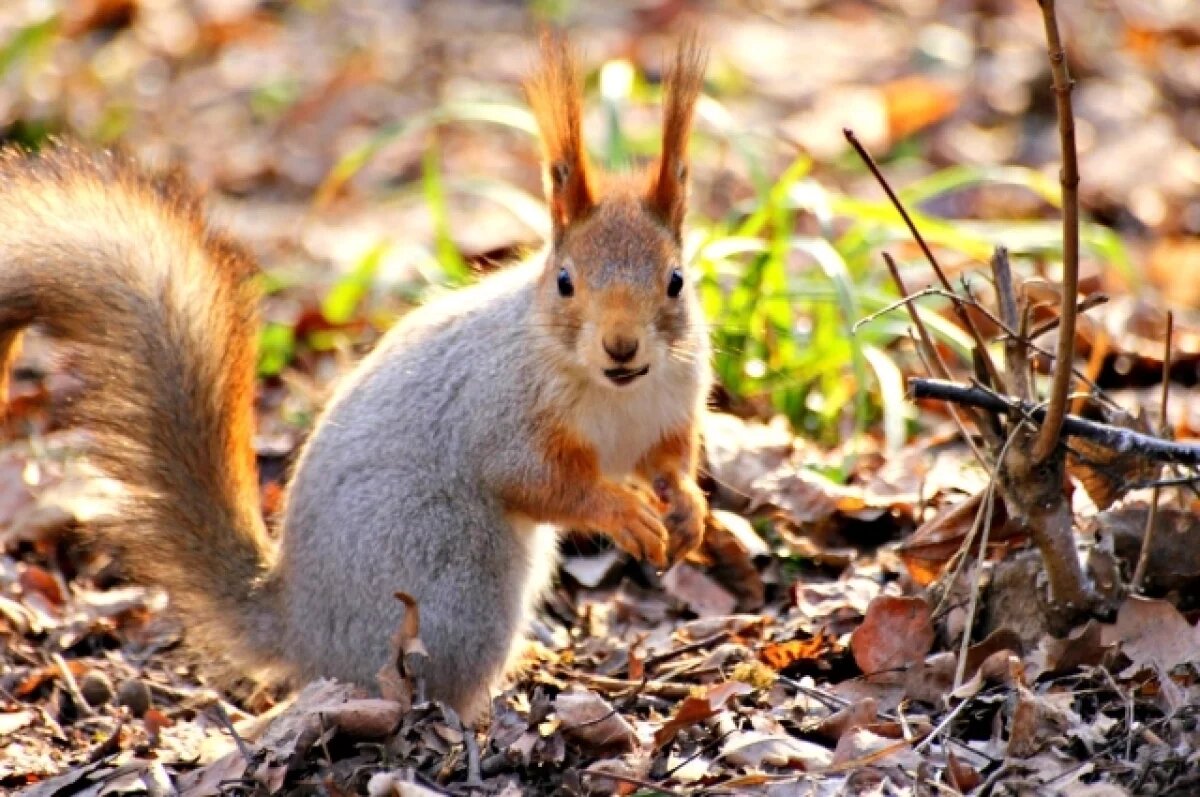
<point>683,511</point>
<point>637,530</point>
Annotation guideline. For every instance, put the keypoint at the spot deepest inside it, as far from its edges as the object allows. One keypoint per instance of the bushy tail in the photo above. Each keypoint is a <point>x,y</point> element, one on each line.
<point>162,314</point>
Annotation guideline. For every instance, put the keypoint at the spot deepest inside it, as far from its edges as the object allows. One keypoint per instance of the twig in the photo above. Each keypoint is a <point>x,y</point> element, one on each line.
<point>1048,436</point>
<point>1009,332</point>
<point>986,512</point>
<point>938,367</point>
<point>1120,440</point>
<point>81,704</point>
<point>1089,302</point>
<point>959,308</point>
<point>243,749</point>
<point>984,524</point>
<point>1173,481</point>
<point>1016,352</point>
<point>611,685</point>
<point>674,653</point>
<point>941,726</point>
<point>1139,572</point>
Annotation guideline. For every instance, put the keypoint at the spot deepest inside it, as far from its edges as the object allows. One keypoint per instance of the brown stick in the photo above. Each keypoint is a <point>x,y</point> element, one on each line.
<point>1117,438</point>
<point>1048,436</point>
<point>937,366</point>
<point>1139,572</point>
<point>1016,353</point>
<point>959,308</point>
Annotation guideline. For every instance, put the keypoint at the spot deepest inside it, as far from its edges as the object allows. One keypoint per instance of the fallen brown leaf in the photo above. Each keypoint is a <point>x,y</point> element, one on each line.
<point>1153,633</point>
<point>914,102</point>
<point>32,682</point>
<point>782,655</point>
<point>896,633</point>
<point>699,708</point>
<point>755,748</point>
<point>702,594</point>
<point>591,720</point>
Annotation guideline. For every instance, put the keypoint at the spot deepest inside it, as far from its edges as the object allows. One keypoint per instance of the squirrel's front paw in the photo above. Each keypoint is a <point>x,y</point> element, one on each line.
<point>684,517</point>
<point>635,528</point>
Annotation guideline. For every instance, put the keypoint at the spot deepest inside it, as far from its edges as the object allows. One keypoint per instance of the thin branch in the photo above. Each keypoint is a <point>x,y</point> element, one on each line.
<point>982,525</point>
<point>1139,573</point>
<point>938,367</point>
<point>1048,436</point>
<point>1171,481</point>
<point>1120,440</point>
<point>959,309</point>
<point>1092,300</point>
<point>1016,352</point>
<point>1007,333</point>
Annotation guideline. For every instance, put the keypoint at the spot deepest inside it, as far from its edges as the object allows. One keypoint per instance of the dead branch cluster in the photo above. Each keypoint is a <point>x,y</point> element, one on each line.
<point>1025,441</point>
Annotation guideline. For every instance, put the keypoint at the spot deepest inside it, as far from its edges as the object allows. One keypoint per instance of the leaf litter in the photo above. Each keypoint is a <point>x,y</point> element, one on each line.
<point>814,645</point>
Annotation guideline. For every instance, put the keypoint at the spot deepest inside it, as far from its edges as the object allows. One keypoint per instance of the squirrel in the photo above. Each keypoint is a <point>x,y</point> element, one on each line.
<point>443,466</point>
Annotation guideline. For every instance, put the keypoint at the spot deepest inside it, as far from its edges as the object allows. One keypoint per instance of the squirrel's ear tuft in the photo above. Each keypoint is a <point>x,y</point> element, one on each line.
<point>667,194</point>
<point>555,97</point>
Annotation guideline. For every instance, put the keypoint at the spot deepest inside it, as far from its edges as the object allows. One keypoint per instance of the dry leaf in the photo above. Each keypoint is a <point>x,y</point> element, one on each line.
<point>737,453</point>
<point>591,720</point>
<point>960,775</point>
<point>896,633</point>
<point>782,655</point>
<point>1105,474</point>
<point>590,571</point>
<point>38,579</point>
<point>1083,647</point>
<point>859,746</point>
<point>856,715</point>
<point>914,102</point>
<point>32,682</point>
<point>13,721</point>
<point>699,708</point>
<point>1153,633</point>
<point>730,544</point>
<point>755,748</point>
<point>926,552</point>
<point>703,595</point>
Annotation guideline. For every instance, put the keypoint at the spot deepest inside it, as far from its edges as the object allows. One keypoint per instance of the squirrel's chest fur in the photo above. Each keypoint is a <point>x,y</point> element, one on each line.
<point>621,426</point>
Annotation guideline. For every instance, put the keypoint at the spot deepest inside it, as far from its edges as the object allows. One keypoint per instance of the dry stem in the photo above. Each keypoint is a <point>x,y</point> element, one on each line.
<point>1117,438</point>
<point>959,308</point>
<point>1048,437</point>
<point>1139,572</point>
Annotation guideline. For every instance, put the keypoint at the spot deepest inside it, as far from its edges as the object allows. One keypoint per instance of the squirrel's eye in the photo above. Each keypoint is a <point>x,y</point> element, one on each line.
<point>676,283</point>
<point>565,286</point>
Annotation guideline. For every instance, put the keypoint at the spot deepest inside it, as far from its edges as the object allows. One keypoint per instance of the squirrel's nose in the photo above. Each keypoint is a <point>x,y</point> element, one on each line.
<point>620,348</point>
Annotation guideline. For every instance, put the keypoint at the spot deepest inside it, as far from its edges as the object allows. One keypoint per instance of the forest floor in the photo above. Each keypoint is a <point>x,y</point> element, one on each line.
<point>837,634</point>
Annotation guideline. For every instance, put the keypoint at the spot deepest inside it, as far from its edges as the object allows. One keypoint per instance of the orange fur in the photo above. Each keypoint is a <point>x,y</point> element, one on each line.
<point>670,467</point>
<point>667,194</point>
<point>554,96</point>
<point>162,313</point>
<point>570,491</point>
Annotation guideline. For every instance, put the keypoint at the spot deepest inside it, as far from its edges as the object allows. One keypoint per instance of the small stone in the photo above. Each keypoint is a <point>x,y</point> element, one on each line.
<point>134,694</point>
<point>96,688</point>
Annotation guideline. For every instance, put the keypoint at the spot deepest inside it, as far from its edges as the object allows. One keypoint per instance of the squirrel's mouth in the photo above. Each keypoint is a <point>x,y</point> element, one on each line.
<point>623,376</point>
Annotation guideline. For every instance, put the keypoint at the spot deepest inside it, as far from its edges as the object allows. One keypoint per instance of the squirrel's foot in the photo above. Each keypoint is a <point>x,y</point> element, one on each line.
<point>634,526</point>
<point>686,508</point>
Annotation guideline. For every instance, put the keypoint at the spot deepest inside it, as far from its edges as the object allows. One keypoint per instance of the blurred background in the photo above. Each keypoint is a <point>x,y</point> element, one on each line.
<point>370,151</point>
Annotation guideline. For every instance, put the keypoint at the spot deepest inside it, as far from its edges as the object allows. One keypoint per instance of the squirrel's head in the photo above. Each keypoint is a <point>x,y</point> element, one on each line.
<point>615,291</point>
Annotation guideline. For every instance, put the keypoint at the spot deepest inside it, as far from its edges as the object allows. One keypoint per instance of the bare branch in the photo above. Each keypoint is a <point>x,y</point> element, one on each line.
<point>1139,573</point>
<point>1117,438</point>
<point>959,309</point>
<point>1047,439</point>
